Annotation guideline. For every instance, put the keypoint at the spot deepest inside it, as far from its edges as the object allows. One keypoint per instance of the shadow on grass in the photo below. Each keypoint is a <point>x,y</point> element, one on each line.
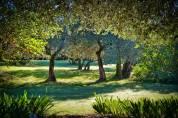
<point>79,90</point>
<point>65,91</point>
<point>42,73</point>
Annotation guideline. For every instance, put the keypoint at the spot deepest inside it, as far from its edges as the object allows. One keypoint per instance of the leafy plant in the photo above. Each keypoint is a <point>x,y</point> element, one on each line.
<point>112,106</point>
<point>40,105</point>
<point>22,106</point>
<point>155,63</point>
<point>140,71</point>
<point>143,108</point>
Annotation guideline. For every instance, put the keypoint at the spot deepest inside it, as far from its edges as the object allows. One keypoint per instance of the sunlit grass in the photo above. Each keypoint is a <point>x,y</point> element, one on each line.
<point>75,90</point>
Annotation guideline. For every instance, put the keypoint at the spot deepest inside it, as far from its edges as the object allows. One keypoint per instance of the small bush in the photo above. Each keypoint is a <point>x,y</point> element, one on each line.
<point>116,107</point>
<point>40,105</point>
<point>23,106</point>
<point>140,72</point>
<point>143,108</point>
<point>165,77</point>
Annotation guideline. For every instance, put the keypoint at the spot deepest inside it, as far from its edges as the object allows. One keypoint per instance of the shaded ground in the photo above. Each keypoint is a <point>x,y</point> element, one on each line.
<point>75,90</point>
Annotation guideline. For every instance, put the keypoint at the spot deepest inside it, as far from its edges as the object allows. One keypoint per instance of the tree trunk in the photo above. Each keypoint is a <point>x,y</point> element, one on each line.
<point>87,66</point>
<point>102,75</point>
<point>51,76</point>
<point>72,61</point>
<point>80,64</point>
<point>127,68</point>
<point>118,74</point>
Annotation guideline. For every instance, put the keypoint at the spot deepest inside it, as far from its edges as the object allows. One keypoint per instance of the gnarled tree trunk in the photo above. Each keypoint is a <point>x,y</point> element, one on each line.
<point>102,75</point>
<point>118,74</point>
<point>127,68</point>
<point>51,73</point>
<point>87,66</point>
<point>79,64</point>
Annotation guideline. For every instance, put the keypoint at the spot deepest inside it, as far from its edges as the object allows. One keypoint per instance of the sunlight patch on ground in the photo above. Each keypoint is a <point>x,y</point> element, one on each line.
<point>26,80</point>
<point>84,106</point>
<point>77,107</point>
<point>134,95</point>
<point>13,68</point>
<point>74,91</point>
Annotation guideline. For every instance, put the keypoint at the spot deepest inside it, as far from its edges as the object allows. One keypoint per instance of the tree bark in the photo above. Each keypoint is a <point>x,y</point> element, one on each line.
<point>127,68</point>
<point>72,61</point>
<point>118,74</point>
<point>79,64</point>
<point>51,76</point>
<point>87,66</point>
<point>102,75</point>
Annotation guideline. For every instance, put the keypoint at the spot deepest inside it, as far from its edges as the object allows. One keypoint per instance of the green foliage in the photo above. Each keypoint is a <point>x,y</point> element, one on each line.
<point>112,106</point>
<point>143,108</point>
<point>22,106</point>
<point>24,31</point>
<point>40,105</point>
<point>128,19</point>
<point>156,61</point>
<point>163,108</point>
<point>140,71</point>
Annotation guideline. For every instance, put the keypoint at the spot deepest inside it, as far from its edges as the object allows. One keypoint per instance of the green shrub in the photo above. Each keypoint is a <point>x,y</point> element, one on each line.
<point>143,108</point>
<point>165,77</point>
<point>115,107</point>
<point>140,72</point>
<point>40,105</point>
<point>155,63</point>
<point>22,106</point>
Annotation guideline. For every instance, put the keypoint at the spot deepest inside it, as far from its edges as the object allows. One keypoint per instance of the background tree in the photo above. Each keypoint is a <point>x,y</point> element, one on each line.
<point>89,46</point>
<point>127,55</point>
<point>155,62</point>
<point>25,25</point>
<point>55,45</point>
<point>131,19</point>
<point>83,51</point>
<point>79,48</point>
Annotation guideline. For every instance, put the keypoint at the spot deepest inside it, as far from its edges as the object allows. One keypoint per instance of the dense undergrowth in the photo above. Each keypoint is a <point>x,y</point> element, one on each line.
<point>24,106</point>
<point>142,108</point>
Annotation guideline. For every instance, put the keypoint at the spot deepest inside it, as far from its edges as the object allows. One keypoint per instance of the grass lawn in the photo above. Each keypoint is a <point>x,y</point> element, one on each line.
<point>75,90</point>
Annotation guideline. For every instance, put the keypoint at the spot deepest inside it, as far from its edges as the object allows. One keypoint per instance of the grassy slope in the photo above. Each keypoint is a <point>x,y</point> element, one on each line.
<point>74,91</point>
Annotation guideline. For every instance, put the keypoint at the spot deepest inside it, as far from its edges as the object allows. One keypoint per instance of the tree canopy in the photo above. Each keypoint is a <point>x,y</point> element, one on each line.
<point>26,24</point>
<point>130,19</point>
